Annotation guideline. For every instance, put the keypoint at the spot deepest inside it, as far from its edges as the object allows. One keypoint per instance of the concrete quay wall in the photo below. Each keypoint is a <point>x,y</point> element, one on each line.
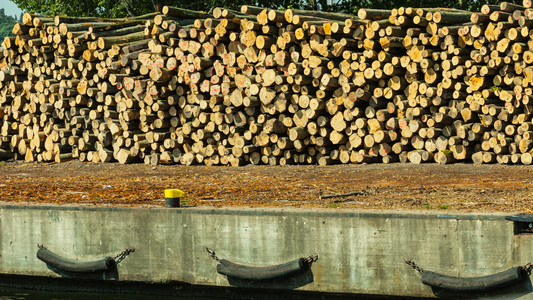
<point>359,252</point>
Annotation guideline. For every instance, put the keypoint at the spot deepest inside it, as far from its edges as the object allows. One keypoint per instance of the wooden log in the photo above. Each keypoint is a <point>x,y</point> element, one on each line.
<point>190,88</point>
<point>183,13</point>
<point>107,42</point>
<point>443,17</point>
<point>373,14</point>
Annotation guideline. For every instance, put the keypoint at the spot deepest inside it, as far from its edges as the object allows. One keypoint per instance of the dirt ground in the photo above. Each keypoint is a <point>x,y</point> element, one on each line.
<point>458,187</point>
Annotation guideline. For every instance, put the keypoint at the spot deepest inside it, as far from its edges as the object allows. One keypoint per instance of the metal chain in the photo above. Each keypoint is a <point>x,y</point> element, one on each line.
<point>212,254</point>
<point>122,255</point>
<point>311,259</point>
<point>414,266</point>
<point>527,267</point>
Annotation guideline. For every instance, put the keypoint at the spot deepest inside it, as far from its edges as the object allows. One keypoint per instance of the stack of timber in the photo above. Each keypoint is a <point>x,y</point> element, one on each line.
<point>263,86</point>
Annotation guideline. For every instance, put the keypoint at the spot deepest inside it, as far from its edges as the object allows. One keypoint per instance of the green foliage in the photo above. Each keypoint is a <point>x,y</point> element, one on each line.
<point>79,8</point>
<point>185,201</point>
<point>121,8</point>
<point>333,205</point>
<point>472,5</point>
<point>6,24</point>
<point>443,206</point>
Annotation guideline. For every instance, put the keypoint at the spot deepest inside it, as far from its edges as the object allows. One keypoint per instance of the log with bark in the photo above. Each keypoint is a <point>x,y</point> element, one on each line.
<point>263,86</point>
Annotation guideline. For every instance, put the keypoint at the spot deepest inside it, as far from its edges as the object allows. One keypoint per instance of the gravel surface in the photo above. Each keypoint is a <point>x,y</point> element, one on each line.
<point>457,187</point>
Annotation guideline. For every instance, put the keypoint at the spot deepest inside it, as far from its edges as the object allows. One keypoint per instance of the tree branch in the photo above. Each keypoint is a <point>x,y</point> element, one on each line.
<point>158,4</point>
<point>323,5</point>
<point>130,10</point>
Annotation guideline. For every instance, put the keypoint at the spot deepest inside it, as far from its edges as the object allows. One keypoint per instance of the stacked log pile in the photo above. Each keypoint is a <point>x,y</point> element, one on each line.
<point>264,86</point>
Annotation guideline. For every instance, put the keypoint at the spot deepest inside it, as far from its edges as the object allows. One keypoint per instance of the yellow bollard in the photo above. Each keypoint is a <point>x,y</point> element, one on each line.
<point>172,197</point>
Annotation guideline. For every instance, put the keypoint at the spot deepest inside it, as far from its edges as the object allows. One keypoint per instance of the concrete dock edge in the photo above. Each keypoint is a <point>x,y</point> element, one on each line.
<point>360,252</point>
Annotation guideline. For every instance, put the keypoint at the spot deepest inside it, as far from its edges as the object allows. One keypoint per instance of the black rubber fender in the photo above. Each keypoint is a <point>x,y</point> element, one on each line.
<point>234,270</point>
<point>69,265</point>
<point>472,284</point>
